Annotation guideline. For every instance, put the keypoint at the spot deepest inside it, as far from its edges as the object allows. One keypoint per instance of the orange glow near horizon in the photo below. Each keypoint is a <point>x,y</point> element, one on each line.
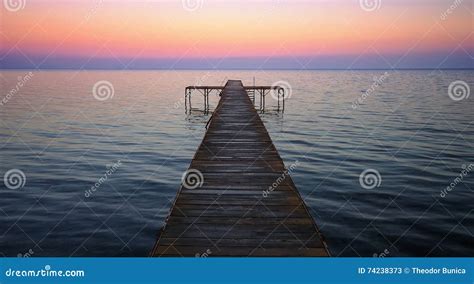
<point>246,28</point>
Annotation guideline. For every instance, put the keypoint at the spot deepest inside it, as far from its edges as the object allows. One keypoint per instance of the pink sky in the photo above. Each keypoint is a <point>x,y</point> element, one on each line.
<point>138,30</point>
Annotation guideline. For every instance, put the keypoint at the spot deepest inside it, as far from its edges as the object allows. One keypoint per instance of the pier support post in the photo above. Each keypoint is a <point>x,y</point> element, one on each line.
<point>278,100</point>
<point>205,104</point>
<point>189,97</point>
<point>207,99</point>
<point>186,100</point>
<point>281,93</point>
<point>283,101</point>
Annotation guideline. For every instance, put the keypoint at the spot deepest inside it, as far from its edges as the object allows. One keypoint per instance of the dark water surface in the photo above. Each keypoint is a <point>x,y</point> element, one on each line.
<point>337,124</point>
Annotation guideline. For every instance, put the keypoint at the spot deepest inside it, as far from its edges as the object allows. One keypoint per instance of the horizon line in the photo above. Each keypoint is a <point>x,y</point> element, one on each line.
<point>234,69</point>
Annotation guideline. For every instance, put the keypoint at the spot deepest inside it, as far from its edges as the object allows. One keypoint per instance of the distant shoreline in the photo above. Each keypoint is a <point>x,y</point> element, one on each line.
<point>239,69</point>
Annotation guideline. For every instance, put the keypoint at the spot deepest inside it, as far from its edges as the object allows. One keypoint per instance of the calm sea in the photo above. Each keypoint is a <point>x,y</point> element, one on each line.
<point>100,175</point>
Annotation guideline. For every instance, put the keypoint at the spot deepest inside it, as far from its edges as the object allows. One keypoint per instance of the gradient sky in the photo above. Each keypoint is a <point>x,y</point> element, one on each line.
<point>237,34</point>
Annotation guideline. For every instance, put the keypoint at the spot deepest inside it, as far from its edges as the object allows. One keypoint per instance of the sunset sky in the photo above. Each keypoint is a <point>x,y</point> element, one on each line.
<point>238,34</point>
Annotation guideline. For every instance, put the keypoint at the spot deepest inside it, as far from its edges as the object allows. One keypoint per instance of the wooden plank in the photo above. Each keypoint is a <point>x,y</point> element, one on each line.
<point>240,221</point>
<point>241,251</point>
<point>247,203</point>
<point>313,242</point>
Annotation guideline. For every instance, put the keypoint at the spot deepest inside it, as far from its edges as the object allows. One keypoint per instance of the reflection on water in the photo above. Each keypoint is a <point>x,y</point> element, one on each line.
<point>66,141</point>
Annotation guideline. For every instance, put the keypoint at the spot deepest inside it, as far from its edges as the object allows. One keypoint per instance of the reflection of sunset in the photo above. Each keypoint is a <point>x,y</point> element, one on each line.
<point>238,29</point>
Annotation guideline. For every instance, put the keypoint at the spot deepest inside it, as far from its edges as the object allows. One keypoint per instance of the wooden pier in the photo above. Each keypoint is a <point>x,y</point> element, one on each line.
<point>262,91</point>
<point>237,198</point>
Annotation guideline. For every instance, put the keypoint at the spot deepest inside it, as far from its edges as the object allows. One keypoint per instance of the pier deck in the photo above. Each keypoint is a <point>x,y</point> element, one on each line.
<point>247,204</point>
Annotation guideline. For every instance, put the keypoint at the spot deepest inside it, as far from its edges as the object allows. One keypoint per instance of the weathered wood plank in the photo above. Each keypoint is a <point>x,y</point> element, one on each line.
<point>241,251</point>
<point>240,221</point>
<point>313,242</point>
